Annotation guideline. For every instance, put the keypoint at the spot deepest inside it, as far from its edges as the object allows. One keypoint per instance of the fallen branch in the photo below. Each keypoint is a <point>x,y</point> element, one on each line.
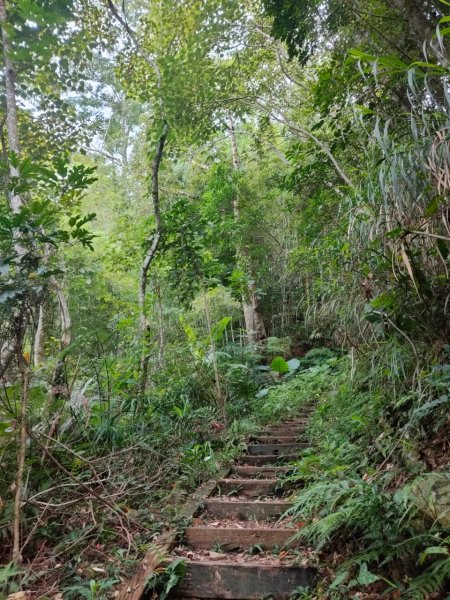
<point>62,468</point>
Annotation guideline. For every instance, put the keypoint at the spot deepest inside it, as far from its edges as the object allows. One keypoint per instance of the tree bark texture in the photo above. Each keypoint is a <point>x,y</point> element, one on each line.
<point>11,101</point>
<point>254,324</point>
<point>24,369</point>
<point>59,381</point>
<point>152,247</point>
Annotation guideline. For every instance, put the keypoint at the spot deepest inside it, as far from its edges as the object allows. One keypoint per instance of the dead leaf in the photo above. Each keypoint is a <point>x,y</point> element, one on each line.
<point>217,555</point>
<point>408,266</point>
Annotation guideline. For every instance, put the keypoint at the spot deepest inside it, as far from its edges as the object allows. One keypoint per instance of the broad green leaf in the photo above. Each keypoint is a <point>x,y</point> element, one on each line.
<point>293,364</point>
<point>279,365</point>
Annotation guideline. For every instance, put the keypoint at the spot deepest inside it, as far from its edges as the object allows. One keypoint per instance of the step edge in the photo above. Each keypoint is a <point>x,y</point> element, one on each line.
<point>213,500</point>
<point>249,480</point>
<point>241,529</point>
<point>227,563</point>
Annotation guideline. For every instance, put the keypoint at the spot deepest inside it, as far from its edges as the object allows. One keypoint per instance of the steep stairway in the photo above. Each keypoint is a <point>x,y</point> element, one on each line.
<point>237,548</point>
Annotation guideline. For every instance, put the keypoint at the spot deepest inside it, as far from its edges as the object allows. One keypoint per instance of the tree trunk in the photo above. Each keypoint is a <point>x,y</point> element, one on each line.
<point>24,369</point>
<point>39,338</point>
<point>254,324</point>
<point>161,332</point>
<point>15,200</point>
<point>153,243</point>
<point>59,380</point>
<point>7,353</point>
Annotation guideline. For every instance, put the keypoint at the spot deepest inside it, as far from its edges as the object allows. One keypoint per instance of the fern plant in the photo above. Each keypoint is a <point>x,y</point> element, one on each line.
<point>435,575</point>
<point>164,581</point>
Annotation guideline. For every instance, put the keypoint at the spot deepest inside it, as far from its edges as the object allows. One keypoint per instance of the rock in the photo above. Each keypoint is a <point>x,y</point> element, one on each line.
<point>432,497</point>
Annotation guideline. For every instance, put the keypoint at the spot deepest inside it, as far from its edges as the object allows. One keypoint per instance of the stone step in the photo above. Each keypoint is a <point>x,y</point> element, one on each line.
<point>259,472</point>
<point>242,581</point>
<point>274,449</point>
<point>249,487</point>
<point>268,459</point>
<point>221,508</point>
<point>231,539</point>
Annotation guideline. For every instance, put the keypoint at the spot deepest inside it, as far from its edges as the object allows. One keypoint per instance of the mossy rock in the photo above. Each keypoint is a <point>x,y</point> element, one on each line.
<point>432,497</point>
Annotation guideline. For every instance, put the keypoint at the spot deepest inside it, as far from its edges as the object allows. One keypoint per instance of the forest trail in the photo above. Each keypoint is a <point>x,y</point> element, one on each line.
<point>237,547</point>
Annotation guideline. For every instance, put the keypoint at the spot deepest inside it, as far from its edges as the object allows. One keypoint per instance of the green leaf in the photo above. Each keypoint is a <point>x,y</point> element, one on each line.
<point>395,233</point>
<point>279,365</point>
<point>432,551</point>
<point>8,572</point>
<point>218,329</point>
<point>384,301</point>
<point>433,206</point>
<point>339,579</point>
<point>364,577</point>
<point>364,110</point>
<point>293,364</point>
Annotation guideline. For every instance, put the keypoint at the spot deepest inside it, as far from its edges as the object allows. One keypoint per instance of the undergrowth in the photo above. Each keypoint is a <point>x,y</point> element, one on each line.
<point>375,492</point>
<point>372,505</point>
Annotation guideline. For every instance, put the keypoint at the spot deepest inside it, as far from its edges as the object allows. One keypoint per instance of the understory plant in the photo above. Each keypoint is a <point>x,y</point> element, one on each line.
<point>369,499</point>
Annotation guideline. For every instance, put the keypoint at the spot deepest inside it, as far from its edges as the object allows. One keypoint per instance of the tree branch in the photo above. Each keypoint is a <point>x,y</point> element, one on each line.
<point>123,22</point>
<point>156,237</point>
<point>308,134</point>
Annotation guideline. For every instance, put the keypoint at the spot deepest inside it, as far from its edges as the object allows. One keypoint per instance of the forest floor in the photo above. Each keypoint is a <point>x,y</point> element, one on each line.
<point>314,459</point>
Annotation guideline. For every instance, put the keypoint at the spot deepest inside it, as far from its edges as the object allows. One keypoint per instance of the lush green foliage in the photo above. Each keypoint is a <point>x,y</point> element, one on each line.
<point>303,208</point>
<point>365,496</point>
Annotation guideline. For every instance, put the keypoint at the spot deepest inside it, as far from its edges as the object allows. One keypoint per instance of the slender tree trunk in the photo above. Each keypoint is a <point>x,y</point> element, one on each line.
<point>16,202</point>
<point>152,247</point>
<point>220,396</point>
<point>11,102</point>
<point>59,381</point>
<point>39,338</point>
<point>161,333</point>
<point>59,385</point>
<point>125,145</point>
<point>7,353</point>
<point>153,241</point>
<point>254,324</point>
<point>24,369</point>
